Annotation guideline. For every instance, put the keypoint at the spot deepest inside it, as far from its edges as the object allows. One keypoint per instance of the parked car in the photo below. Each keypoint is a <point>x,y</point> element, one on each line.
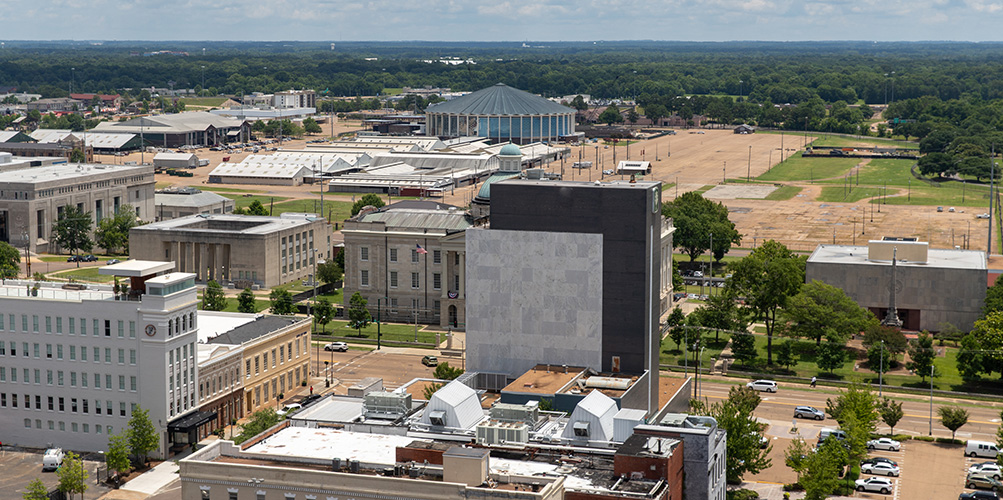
<point>89,258</point>
<point>762,385</point>
<point>880,468</point>
<point>884,444</point>
<point>881,485</point>
<point>809,412</point>
<point>112,261</point>
<point>336,346</point>
<point>978,495</point>
<point>430,361</point>
<point>74,258</point>
<point>698,274</point>
<point>987,468</point>
<point>985,449</point>
<point>52,459</point>
<point>982,216</point>
<point>875,460</point>
<point>289,409</point>
<point>982,481</point>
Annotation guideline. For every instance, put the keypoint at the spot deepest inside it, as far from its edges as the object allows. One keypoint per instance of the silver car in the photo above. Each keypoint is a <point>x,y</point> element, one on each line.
<point>809,412</point>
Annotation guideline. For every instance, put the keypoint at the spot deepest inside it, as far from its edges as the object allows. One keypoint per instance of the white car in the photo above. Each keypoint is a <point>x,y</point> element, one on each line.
<point>988,469</point>
<point>762,385</point>
<point>290,408</point>
<point>982,216</point>
<point>879,484</point>
<point>880,468</point>
<point>884,444</point>
<point>336,346</point>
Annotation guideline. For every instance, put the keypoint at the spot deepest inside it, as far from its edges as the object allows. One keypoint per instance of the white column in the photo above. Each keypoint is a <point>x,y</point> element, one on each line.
<point>463,285</point>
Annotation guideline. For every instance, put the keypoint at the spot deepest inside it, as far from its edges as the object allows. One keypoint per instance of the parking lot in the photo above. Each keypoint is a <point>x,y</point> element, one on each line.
<point>19,468</point>
<point>928,470</point>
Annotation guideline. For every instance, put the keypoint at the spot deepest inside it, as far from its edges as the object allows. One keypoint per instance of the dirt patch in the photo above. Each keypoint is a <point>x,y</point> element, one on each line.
<point>736,191</point>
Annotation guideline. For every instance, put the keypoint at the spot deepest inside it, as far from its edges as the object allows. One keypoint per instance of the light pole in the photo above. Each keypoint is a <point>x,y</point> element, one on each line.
<point>931,400</point>
<point>748,171</point>
<point>327,374</point>
<point>881,371</point>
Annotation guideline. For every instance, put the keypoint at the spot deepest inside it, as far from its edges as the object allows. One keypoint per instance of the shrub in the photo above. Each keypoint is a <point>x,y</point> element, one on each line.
<point>793,487</point>
<point>949,441</point>
<point>742,494</point>
<point>928,439</point>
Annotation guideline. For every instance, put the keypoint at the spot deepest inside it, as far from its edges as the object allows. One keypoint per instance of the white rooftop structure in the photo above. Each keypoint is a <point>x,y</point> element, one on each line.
<point>592,419</point>
<point>423,142</point>
<point>169,123</point>
<point>327,443</point>
<point>935,257</point>
<point>214,323</point>
<point>480,161</point>
<point>194,200</point>
<point>65,171</point>
<point>454,405</point>
<point>96,140</point>
<point>135,268</point>
<point>261,170</point>
<point>252,113</point>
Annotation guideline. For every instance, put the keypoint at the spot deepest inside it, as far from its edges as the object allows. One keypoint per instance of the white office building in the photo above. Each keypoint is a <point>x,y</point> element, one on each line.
<point>75,360</point>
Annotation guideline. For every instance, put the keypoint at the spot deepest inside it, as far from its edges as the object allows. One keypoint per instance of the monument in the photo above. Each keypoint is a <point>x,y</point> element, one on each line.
<point>892,316</point>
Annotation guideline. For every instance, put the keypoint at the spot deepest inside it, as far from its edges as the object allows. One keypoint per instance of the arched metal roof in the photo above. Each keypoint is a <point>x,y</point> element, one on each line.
<point>500,100</point>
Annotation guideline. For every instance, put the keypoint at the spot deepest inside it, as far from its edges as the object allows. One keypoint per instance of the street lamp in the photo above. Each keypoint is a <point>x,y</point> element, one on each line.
<point>203,79</point>
<point>931,399</point>
<point>881,371</point>
<point>327,374</point>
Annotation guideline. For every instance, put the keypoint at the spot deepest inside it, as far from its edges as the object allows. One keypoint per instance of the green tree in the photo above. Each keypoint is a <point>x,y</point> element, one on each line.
<point>878,358</point>
<point>143,437</point>
<point>369,199</point>
<point>743,451</point>
<point>246,302</point>
<point>674,321</point>
<point>994,299</point>
<point>112,233</point>
<point>921,355</point>
<point>259,422</point>
<point>820,475</point>
<point>10,259</point>
<point>829,356</point>
<point>893,339</point>
<point>767,278</point>
<point>36,490</point>
<point>329,271</point>
<point>632,116</point>
<point>358,315</point>
<point>721,312</point>
<point>430,389</point>
<point>891,412</point>
<point>796,456</point>
<point>655,113</point>
<point>310,126</point>
<point>821,310</point>
<point>72,476</point>
<point>117,457</point>
<point>678,284</point>
<point>695,219</point>
<point>952,417</point>
<point>743,347</point>
<point>323,313</point>
<point>787,355</point>
<point>73,229</point>
<point>858,400</point>
<point>579,103</point>
<point>256,208</point>
<point>77,156</point>
<point>281,302</point>
<point>982,349</point>
<point>213,298</point>
<point>999,439</point>
<point>610,115</point>
<point>445,372</point>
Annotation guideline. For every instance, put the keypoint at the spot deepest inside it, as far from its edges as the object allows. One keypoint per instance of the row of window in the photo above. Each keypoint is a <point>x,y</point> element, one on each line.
<point>58,351</point>
<point>436,255</point>
<point>259,494</point>
<point>59,404</point>
<point>278,386</point>
<point>74,426</point>
<point>276,360</point>
<point>58,378</point>
<point>181,404</point>
<point>55,325</point>
<point>300,251</point>
<point>415,280</point>
<point>414,306</point>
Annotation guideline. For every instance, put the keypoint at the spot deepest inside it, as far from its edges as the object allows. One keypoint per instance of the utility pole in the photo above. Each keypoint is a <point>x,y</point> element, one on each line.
<point>748,172</point>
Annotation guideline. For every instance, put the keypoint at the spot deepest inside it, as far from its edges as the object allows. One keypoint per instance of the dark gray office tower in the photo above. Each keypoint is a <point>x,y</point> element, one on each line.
<point>568,232</point>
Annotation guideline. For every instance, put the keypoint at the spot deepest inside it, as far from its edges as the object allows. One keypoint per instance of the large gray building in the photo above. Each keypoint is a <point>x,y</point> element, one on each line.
<point>182,202</point>
<point>933,286</point>
<point>32,199</point>
<point>568,273</point>
<point>501,114</point>
<point>247,250</point>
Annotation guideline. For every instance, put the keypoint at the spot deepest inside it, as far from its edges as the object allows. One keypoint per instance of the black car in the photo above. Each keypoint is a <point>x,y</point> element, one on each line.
<point>879,460</point>
<point>74,258</point>
<point>89,258</point>
<point>978,495</point>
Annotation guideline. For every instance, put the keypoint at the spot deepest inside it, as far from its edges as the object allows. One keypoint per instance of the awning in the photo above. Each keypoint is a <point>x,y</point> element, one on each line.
<point>233,133</point>
<point>191,421</point>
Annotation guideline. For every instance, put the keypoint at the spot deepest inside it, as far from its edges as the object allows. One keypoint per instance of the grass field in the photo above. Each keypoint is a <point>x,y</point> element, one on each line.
<point>879,172</point>
<point>338,210</point>
<point>836,194</point>
<point>845,142</point>
<point>395,331</point>
<point>84,274</point>
<point>203,101</point>
<point>797,168</point>
<point>783,193</point>
<point>227,190</point>
<point>946,194</point>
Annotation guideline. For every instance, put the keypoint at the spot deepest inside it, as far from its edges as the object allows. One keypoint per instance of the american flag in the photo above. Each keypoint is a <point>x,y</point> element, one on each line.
<point>421,250</point>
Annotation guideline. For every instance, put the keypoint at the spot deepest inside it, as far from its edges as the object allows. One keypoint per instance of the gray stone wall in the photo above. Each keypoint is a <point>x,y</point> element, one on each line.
<point>533,297</point>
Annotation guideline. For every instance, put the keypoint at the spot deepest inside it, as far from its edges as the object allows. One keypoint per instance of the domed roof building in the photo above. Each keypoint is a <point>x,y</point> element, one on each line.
<point>501,113</point>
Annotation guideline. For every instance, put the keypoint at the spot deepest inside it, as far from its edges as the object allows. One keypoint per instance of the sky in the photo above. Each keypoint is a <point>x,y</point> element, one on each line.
<point>503,20</point>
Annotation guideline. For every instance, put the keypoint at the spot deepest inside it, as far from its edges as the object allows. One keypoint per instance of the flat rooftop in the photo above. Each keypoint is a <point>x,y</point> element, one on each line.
<point>229,223</point>
<point>584,184</point>
<point>936,257</point>
<point>136,268</point>
<point>55,291</point>
<point>544,379</point>
<point>67,171</point>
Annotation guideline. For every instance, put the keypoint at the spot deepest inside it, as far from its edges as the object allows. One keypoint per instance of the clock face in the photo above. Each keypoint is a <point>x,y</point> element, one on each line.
<point>151,330</point>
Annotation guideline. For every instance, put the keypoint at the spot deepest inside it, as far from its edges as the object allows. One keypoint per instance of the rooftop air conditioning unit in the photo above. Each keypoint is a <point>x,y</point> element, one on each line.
<point>581,429</point>
<point>437,417</point>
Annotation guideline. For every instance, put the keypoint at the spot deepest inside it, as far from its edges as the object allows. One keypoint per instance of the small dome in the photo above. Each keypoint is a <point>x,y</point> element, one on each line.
<point>510,150</point>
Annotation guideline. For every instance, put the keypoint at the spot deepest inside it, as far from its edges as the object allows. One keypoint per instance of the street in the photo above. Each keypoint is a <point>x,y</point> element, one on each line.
<point>395,365</point>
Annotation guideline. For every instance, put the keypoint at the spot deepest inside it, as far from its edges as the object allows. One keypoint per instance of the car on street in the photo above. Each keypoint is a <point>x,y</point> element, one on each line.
<point>987,468</point>
<point>809,412</point>
<point>430,361</point>
<point>289,409</point>
<point>983,482</point>
<point>978,495</point>
<point>89,258</point>
<point>762,385</point>
<point>884,444</point>
<point>112,261</point>
<point>982,216</point>
<point>881,469</point>
<point>336,346</point>
<point>881,485</point>
<point>52,459</point>
<point>876,460</point>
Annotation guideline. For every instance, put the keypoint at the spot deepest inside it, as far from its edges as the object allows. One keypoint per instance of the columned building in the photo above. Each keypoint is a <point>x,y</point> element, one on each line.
<point>501,114</point>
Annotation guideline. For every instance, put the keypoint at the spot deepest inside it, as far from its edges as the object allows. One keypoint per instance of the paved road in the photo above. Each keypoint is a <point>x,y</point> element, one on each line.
<point>396,366</point>
<point>983,420</point>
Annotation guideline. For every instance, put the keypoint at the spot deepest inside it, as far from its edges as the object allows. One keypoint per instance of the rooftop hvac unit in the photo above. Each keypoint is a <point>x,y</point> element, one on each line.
<point>620,384</point>
<point>507,412</point>
<point>386,405</point>
<point>437,417</point>
<point>354,466</point>
<point>581,429</point>
<point>494,432</point>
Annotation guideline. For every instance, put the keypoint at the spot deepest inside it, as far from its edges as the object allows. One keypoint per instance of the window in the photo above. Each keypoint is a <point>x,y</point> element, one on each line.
<point>73,326</point>
<point>393,255</point>
<point>59,351</point>
<point>59,324</point>
<point>62,404</point>
<point>415,280</point>
<point>256,365</point>
<point>393,305</point>
<point>107,328</point>
<point>48,324</point>
<point>437,256</point>
<point>132,329</point>
<point>132,383</point>
<point>121,408</point>
<point>121,382</point>
<point>132,356</point>
<point>34,323</point>
<point>83,352</point>
<point>73,352</point>
<point>265,360</point>
<point>437,281</point>
<point>107,354</point>
<point>107,381</point>
<point>414,255</point>
<point>393,279</point>
<point>364,278</point>
<point>121,329</point>
<point>83,379</point>
<point>121,356</point>
<point>48,351</point>
<point>364,254</point>
<point>247,369</point>
<point>97,380</point>
<point>83,326</point>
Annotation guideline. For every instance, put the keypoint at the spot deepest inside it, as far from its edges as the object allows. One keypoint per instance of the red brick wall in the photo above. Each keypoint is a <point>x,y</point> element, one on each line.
<point>419,455</point>
<point>669,468</point>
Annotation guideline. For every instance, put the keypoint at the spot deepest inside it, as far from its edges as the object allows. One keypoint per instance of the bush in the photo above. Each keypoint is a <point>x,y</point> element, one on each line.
<point>793,487</point>
<point>928,439</point>
<point>950,441</point>
<point>742,494</point>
